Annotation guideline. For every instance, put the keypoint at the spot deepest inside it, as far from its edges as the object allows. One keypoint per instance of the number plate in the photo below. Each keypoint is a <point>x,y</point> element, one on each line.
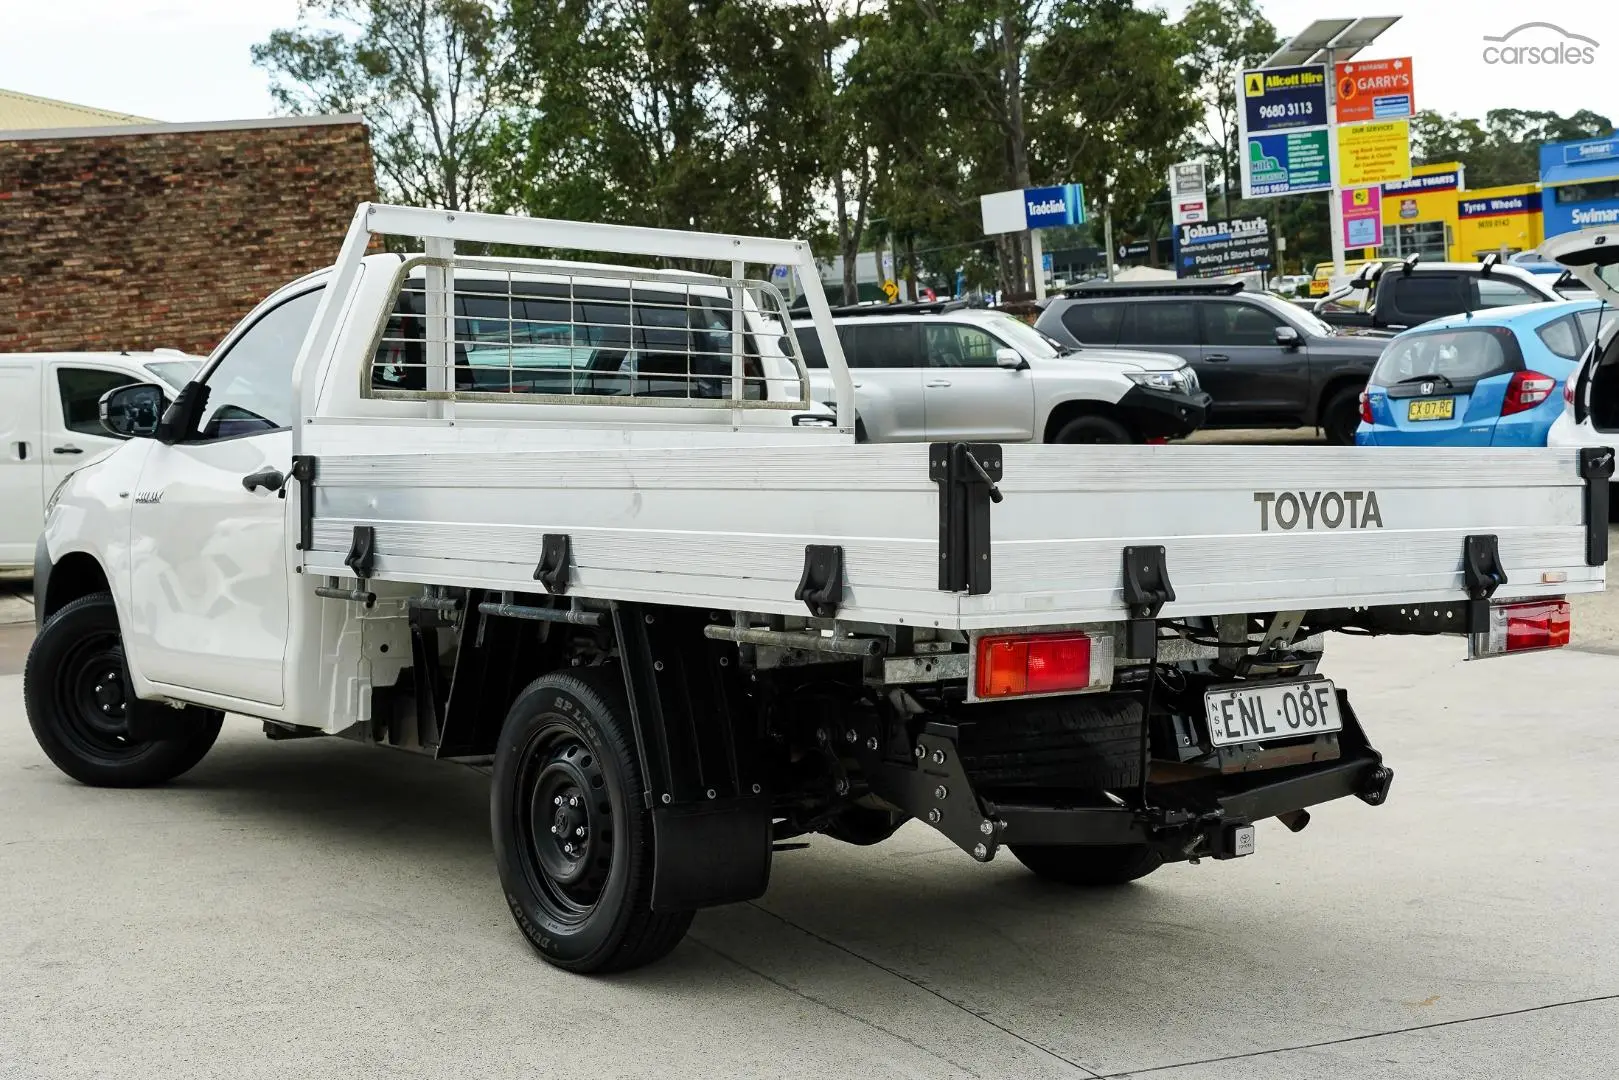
<point>1431,409</point>
<point>1261,712</point>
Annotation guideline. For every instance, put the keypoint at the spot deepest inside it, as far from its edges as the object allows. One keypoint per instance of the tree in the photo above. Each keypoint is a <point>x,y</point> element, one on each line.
<point>1505,147</point>
<point>421,72</point>
<point>1224,37</point>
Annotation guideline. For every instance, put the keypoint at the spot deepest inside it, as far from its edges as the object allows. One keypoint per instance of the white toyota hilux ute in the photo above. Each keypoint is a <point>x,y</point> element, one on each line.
<point>587,523</point>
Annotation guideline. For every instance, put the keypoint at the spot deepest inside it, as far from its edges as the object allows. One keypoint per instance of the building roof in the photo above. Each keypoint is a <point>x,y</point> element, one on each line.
<point>25,112</point>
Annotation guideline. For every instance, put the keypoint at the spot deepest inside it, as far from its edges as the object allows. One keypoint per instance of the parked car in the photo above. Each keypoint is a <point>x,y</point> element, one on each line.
<point>1485,378</point>
<point>1590,413</point>
<point>1386,296</point>
<point>50,424</point>
<point>947,371</point>
<point>1265,362</point>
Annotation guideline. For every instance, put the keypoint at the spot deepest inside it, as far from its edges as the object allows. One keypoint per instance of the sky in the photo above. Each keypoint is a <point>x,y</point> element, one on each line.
<point>181,60</point>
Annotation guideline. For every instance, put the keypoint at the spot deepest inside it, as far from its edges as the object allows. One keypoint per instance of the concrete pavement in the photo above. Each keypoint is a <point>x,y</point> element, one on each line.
<point>323,909</point>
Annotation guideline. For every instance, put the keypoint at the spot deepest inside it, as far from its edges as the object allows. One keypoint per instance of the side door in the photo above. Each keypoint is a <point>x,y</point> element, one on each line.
<point>885,362</point>
<point>208,587</point>
<point>1257,378</point>
<point>72,413</point>
<point>967,395</point>
<point>21,496</point>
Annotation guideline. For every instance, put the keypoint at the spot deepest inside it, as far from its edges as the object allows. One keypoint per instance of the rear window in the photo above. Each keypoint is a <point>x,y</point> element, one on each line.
<point>1463,356</point>
<point>1094,324</point>
<point>1427,295</point>
<point>537,339</point>
<point>1159,322</point>
<point>809,344</point>
<point>881,344</point>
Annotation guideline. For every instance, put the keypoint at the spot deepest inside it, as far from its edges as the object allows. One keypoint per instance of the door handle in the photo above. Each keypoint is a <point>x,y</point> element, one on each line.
<point>269,479</point>
<point>1217,358</point>
<point>938,382</point>
<point>66,450</point>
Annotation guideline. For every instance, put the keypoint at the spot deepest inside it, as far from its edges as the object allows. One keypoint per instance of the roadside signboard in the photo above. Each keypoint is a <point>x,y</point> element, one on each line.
<point>1375,90</point>
<point>1188,193</point>
<point>1286,163</point>
<point>1063,204</point>
<point>1363,217</point>
<point>1282,130</point>
<point>1374,153</point>
<point>1032,208</point>
<point>1278,99</point>
<point>1219,248</point>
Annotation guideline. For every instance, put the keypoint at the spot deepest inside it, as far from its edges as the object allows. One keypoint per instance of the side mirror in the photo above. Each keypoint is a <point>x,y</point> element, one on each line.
<point>1287,337</point>
<point>1010,358</point>
<point>132,412</point>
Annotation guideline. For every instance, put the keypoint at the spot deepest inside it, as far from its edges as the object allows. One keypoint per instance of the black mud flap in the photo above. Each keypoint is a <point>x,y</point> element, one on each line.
<point>698,742</point>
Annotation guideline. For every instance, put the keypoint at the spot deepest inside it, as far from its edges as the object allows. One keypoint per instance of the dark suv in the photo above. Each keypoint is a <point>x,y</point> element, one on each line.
<point>1265,362</point>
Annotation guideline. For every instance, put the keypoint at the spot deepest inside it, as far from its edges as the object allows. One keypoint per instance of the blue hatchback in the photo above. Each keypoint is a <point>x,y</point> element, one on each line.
<point>1492,377</point>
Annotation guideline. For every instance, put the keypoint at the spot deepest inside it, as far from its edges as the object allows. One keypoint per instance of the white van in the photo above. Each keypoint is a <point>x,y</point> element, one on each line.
<point>50,424</point>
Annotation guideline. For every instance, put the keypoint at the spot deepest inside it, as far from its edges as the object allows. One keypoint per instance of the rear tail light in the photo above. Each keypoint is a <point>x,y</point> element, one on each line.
<point>1019,665</point>
<point>1365,408</point>
<point>1568,392</point>
<point>1526,390</point>
<point>1524,627</point>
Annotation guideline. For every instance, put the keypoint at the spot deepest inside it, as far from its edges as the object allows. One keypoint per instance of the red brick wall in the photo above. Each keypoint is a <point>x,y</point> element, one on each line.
<point>147,240</point>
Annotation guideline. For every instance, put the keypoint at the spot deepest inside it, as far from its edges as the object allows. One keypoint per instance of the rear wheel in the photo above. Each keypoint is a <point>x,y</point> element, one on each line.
<point>1110,864</point>
<point>1093,429</point>
<point>1341,416</point>
<point>80,703</point>
<point>573,838</point>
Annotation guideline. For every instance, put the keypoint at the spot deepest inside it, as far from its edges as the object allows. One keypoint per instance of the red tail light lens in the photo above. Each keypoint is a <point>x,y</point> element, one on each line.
<point>1526,390</point>
<point>1568,391</point>
<point>1009,666</point>
<point>1524,627</point>
<point>1365,408</point>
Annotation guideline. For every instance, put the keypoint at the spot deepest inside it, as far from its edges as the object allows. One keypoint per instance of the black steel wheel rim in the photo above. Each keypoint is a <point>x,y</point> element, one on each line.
<point>564,815</point>
<point>93,698</point>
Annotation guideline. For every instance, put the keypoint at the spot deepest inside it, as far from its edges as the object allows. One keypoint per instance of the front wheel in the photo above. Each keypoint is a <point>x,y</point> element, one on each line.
<point>80,703</point>
<point>1093,429</point>
<point>573,837</point>
<point>1096,864</point>
<point>1341,416</point>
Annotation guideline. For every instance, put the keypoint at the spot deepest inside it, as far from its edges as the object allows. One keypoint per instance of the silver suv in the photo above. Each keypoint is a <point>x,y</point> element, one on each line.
<point>940,372</point>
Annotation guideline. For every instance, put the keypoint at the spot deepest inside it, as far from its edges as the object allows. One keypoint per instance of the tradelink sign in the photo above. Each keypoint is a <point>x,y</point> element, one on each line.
<point>1047,207</point>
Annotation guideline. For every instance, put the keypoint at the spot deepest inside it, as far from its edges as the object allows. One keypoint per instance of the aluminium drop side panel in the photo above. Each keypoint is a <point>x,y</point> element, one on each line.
<point>726,527</point>
<point>1056,539</point>
<point>701,525</point>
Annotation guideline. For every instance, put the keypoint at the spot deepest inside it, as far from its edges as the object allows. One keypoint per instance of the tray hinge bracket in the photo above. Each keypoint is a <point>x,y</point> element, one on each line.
<point>552,572</point>
<point>821,584</point>
<point>1481,576</point>
<point>1146,590</point>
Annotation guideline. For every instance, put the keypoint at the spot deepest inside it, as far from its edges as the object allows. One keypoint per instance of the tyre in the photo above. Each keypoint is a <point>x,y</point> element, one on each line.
<point>1093,429</point>
<point>1072,864</point>
<point>1341,416</point>
<point>573,838</point>
<point>76,688</point>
